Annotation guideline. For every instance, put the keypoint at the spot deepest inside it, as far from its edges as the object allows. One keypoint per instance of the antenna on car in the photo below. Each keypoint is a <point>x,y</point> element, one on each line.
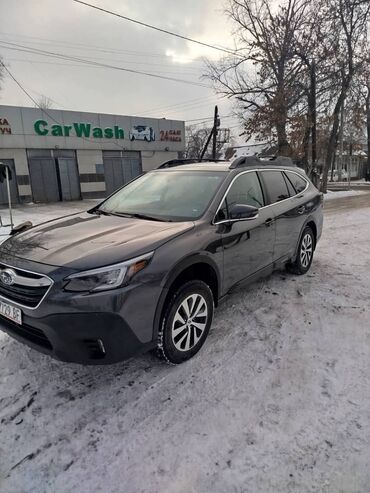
<point>245,161</point>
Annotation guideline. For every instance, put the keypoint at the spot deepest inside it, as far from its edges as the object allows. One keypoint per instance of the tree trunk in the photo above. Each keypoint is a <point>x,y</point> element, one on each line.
<point>367,175</point>
<point>284,148</point>
<point>305,146</point>
<point>332,140</point>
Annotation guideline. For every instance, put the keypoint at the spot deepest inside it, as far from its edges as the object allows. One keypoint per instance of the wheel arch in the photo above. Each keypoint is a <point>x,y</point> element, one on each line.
<point>199,267</point>
<point>312,224</point>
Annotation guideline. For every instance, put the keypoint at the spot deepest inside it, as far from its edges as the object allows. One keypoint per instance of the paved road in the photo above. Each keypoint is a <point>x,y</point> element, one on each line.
<point>345,203</point>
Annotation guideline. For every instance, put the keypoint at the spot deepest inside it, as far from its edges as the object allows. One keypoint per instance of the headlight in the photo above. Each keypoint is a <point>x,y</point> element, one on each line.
<point>110,277</point>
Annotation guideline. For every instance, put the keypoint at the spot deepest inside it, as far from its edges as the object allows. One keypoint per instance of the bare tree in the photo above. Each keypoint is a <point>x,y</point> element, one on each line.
<point>1,70</point>
<point>44,103</point>
<point>368,129</point>
<point>267,77</point>
<point>196,139</point>
<point>345,42</point>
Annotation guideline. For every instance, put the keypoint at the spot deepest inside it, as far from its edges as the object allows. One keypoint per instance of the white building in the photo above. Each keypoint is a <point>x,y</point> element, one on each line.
<point>67,155</point>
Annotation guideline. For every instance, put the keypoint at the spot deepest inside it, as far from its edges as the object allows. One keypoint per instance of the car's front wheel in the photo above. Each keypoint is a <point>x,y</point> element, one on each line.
<point>186,322</point>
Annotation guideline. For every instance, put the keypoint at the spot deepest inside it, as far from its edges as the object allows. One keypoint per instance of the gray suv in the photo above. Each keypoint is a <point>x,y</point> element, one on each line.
<point>145,268</point>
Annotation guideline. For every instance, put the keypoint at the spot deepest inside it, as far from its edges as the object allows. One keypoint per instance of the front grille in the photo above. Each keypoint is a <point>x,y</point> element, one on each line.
<point>25,290</point>
<point>37,336</point>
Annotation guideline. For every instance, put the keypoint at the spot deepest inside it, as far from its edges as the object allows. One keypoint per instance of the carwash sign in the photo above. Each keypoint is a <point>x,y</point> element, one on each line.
<point>84,130</point>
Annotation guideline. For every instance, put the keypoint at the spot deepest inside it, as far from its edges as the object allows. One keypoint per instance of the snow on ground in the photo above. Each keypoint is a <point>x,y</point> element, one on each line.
<point>277,401</point>
<point>330,195</point>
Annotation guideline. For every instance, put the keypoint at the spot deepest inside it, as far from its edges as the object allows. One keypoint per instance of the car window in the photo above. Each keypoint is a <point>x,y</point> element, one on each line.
<point>291,189</point>
<point>297,181</point>
<point>168,195</point>
<point>276,186</point>
<point>245,190</point>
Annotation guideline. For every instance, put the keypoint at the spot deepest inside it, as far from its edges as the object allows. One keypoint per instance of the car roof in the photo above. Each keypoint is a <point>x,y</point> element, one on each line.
<point>224,166</point>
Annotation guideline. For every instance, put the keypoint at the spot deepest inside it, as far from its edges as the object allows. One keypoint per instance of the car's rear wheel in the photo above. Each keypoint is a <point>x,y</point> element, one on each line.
<point>186,322</point>
<point>306,247</point>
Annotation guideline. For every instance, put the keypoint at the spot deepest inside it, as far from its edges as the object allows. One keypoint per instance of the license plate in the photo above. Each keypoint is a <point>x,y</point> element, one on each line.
<point>11,312</point>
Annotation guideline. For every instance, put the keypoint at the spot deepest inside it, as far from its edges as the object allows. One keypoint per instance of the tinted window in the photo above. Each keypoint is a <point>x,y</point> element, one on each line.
<point>246,190</point>
<point>297,181</point>
<point>276,186</point>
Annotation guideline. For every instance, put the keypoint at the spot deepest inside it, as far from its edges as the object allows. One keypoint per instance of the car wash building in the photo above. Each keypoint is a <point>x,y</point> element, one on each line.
<point>58,155</point>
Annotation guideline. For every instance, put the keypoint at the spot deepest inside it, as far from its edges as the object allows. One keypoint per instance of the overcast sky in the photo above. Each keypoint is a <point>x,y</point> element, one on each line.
<point>73,29</point>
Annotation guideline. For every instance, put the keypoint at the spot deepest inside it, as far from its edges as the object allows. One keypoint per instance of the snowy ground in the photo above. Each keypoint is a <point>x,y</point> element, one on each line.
<point>277,401</point>
<point>331,195</point>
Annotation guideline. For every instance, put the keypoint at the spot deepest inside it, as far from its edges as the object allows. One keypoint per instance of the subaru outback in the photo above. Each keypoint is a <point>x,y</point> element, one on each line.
<point>146,267</point>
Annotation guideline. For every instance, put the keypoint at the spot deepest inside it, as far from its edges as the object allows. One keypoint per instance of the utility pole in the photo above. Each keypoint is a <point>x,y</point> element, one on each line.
<point>213,133</point>
<point>216,124</point>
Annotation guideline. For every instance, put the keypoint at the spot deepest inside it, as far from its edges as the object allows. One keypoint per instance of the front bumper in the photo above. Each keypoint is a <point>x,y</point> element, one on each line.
<point>96,328</point>
<point>85,338</point>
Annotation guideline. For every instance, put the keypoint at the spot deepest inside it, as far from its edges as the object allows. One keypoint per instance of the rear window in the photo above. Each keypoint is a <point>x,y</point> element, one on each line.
<point>297,181</point>
<point>291,189</point>
<point>276,186</point>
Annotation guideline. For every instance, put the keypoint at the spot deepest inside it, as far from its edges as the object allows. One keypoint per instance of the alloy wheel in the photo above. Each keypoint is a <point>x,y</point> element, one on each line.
<point>306,250</point>
<point>189,322</point>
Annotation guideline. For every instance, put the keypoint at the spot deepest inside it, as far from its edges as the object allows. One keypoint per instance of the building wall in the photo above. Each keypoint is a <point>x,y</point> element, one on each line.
<point>92,182</point>
<point>21,167</point>
<point>152,160</point>
<point>19,129</point>
<point>19,132</point>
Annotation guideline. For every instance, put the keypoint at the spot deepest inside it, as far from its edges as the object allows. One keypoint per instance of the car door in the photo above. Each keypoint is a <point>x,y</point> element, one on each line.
<point>288,209</point>
<point>247,243</point>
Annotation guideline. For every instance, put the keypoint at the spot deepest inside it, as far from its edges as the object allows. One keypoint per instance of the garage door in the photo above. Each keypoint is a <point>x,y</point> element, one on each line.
<point>13,185</point>
<point>120,167</point>
<point>44,181</point>
<point>69,179</point>
<point>53,175</point>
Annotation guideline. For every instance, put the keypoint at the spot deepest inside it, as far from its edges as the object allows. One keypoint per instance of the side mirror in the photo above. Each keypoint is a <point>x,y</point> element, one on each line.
<point>242,211</point>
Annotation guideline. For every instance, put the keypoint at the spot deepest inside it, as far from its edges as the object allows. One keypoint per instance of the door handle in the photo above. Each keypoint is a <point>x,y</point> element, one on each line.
<point>269,221</point>
<point>301,209</point>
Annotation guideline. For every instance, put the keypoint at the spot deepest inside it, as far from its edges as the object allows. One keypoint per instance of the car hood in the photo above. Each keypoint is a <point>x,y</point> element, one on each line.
<point>85,241</point>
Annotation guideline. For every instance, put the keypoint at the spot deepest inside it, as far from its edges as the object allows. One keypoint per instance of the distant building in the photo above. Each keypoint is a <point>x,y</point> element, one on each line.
<point>58,155</point>
<point>248,150</point>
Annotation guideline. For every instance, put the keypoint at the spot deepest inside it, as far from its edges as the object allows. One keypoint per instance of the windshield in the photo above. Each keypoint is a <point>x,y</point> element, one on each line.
<point>166,195</point>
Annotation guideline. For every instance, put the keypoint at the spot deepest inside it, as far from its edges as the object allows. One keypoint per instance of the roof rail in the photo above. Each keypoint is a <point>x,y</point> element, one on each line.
<point>179,162</point>
<point>244,161</point>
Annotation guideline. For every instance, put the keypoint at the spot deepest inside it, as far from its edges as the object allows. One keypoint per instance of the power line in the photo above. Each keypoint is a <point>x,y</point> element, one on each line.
<point>90,47</point>
<point>106,11</point>
<point>189,102</point>
<point>37,51</point>
<point>37,104</point>
<point>19,84</point>
<point>68,64</point>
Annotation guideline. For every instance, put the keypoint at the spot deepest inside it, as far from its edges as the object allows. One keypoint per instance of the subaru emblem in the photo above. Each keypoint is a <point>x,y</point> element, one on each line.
<point>7,277</point>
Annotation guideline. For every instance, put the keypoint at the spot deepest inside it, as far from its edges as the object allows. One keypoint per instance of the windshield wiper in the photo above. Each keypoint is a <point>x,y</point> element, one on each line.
<point>99,212</point>
<point>150,218</point>
<point>106,213</point>
<point>129,214</point>
<point>138,215</point>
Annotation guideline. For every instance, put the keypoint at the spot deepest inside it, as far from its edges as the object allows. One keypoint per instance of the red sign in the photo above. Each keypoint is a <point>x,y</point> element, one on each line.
<point>4,127</point>
<point>170,135</point>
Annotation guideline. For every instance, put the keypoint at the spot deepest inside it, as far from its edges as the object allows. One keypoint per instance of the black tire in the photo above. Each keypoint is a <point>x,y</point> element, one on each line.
<point>174,336</point>
<point>305,251</point>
